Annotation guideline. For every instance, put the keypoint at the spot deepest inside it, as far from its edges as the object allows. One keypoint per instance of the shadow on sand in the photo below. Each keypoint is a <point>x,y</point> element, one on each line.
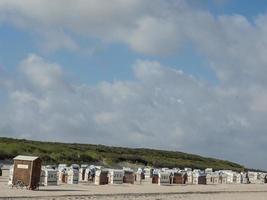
<point>59,190</point>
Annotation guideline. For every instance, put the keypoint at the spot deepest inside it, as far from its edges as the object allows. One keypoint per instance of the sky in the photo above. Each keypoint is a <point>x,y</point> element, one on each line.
<point>176,75</point>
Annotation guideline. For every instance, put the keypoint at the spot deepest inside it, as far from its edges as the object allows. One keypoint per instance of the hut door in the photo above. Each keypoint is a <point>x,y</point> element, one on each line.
<point>83,174</point>
<point>63,178</point>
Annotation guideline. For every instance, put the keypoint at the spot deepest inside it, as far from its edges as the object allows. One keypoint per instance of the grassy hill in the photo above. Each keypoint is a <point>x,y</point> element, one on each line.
<point>54,153</point>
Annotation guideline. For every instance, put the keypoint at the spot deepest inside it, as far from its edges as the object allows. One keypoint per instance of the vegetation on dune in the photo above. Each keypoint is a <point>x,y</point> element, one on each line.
<point>55,153</point>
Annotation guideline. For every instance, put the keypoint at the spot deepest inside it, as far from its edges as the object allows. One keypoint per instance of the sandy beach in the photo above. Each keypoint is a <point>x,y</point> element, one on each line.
<point>144,191</point>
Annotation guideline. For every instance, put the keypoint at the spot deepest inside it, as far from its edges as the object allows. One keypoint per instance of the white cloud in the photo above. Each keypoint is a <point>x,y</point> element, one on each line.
<point>56,40</point>
<point>161,103</point>
<point>156,36</point>
<point>41,75</point>
<point>165,103</point>
<point>232,44</point>
<point>159,28</point>
<point>90,18</point>
<point>146,27</point>
<point>259,102</point>
<point>104,118</point>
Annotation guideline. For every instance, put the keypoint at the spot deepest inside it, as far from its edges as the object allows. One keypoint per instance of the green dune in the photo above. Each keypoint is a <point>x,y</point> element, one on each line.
<point>54,153</point>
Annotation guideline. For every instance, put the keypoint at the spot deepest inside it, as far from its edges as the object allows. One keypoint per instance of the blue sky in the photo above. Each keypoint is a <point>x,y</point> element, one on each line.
<point>232,7</point>
<point>113,61</point>
<point>130,71</point>
<point>110,61</point>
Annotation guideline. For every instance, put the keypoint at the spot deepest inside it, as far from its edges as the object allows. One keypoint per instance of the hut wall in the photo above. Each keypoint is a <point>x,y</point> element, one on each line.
<point>178,179</point>
<point>36,172</point>
<point>202,180</point>
<point>216,179</point>
<point>89,175</point>
<point>189,179</point>
<point>116,177</point>
<point>73,176</point>
<point>138,177</point>
<point>50,177</point>
<point>62,176</point>
<point>42,178</point>
<point>101,178</point>
<point>209,179</point>
<point>223,179</point>
<point>128,177</point>
<point>82,174</point>
<point>22,171</point>
<point>155,179</point>
<point>164,179</point>
<point>27,172</point>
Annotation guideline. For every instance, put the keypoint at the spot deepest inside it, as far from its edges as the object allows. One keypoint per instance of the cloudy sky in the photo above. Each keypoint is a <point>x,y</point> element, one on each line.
<point>178,75</point>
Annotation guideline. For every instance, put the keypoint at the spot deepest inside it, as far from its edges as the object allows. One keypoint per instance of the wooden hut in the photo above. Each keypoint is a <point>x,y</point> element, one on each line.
<point>73,175</point>
<point>48,177</point>
<point>199,178</point>
<point>128,177</point>
<point>212,178</point>
<point>164,178</point>
<point>179,178</point>
<point>216,178</point>
<point>148,172</point>
<point>202,179</point>
<point>27,171</point>
<point>116,176</point>
<point>222,178</point>
<point>62,173</point>
<point>139,176</point>
<point>238,179</point>
<point>90,174</point>
<point>189,180</point>
<point>209,179</point>
<point>256,177</point>
<point>101,177</point>
<point>261,178</point>
<point>62,176</point>
<point>82,173</point>
<point>155,179</point>
<point>244,177</point>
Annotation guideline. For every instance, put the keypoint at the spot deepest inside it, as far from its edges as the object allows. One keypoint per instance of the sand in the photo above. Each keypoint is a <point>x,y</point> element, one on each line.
<point>144,191</point>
